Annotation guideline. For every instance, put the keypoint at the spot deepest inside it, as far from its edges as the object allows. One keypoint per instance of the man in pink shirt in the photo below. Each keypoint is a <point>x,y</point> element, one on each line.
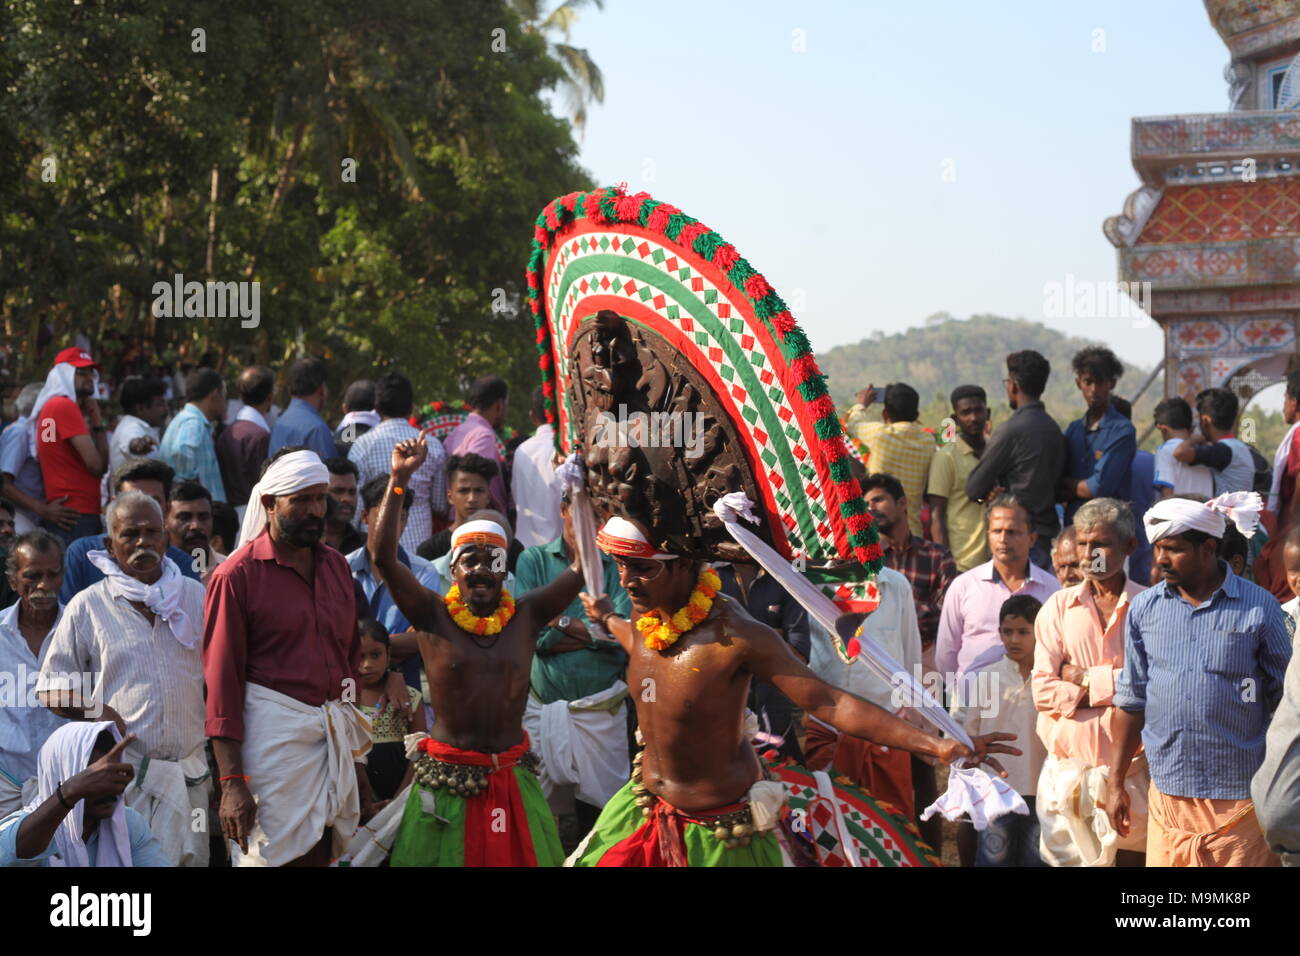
<point>968,638</point>
<point>1079,656</point>
<point>478,432</point>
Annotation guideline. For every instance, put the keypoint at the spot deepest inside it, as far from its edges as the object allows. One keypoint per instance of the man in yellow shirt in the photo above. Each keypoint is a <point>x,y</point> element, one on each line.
<point>956,522</point>
<point>897,444</point>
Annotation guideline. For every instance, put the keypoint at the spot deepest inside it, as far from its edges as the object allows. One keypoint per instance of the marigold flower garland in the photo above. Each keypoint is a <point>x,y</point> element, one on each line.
<point>469,621</point>
<point>661,634</point>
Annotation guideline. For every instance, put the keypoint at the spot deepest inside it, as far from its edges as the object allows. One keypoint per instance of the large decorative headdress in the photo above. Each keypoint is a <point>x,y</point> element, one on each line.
<point>679,373</point>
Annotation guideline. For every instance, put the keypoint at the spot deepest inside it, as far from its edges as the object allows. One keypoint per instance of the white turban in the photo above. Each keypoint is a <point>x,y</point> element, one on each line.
<point>1175,515</point>
<point>61,381</point>
<point>292,472</point>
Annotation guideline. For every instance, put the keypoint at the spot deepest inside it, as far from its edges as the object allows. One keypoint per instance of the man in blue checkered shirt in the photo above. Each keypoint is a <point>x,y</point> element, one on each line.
<point>372,454</point>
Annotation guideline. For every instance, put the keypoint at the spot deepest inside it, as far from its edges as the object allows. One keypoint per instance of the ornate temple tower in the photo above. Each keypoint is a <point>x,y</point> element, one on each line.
<point>1215,226</point>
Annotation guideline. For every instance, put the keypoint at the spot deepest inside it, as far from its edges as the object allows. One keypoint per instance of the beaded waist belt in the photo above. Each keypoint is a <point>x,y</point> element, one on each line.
<point>732,825</point>
<point>462,780</point>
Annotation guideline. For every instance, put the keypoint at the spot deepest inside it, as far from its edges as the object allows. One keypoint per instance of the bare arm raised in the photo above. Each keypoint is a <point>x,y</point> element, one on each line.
<point>770,659</point>
<point>412,598</point>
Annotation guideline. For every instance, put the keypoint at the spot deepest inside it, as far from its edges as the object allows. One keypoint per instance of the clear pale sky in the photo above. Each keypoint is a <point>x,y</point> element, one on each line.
<point>824,167</point>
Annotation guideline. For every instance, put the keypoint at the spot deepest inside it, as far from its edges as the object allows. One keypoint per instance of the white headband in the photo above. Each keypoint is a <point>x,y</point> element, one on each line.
<point>477,534</point>
<point>294,472</point>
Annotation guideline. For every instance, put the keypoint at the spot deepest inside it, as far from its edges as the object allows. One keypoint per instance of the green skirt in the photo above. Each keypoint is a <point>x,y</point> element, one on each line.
<point>508,825</point>
<point>623,836</point>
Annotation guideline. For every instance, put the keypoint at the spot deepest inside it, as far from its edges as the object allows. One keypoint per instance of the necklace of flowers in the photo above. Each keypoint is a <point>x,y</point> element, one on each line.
<point>661,634</point>
<point>467,620</point>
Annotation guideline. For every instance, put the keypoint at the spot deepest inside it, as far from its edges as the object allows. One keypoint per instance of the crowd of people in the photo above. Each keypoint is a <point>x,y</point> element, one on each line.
<point>215,628</point>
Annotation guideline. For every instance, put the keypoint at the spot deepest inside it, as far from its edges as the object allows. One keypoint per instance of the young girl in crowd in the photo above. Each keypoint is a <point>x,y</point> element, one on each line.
<point>387,767</point>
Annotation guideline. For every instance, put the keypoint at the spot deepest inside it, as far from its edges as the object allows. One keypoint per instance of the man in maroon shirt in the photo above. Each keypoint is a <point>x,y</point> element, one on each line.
<point>71,441</point>
<point>281,652</point>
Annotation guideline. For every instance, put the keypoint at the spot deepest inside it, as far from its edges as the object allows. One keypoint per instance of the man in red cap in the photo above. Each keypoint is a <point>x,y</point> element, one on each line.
<point>70,441</point>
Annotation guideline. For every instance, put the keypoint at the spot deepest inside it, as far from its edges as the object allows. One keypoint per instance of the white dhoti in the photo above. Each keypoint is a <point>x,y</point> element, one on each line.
<point>1074,826</point>
<point>15,794</point>
<point>172,795</point>
<point>300,761</point>
<point>582,744</point>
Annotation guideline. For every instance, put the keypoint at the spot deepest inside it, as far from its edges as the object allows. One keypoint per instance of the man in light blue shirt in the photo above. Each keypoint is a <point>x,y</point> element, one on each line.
<point>188,444</point>
<point>301,423</point>
<point>1205,653</point>
<point>35,570</point>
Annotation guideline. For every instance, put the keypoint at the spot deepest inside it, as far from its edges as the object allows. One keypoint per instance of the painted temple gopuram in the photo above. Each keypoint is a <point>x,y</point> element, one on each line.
<point>1215,226</point>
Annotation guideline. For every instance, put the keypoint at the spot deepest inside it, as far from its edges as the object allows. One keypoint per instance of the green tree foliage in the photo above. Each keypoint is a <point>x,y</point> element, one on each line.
<point>225,155</point>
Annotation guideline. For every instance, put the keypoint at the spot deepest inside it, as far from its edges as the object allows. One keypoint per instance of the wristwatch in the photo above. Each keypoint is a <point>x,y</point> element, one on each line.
<point>1087,679</point>
<point>563,623</point>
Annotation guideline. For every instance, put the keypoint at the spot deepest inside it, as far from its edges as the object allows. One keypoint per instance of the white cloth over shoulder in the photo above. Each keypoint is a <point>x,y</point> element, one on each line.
<point>163,597</point>
<point>1279,467</point>
<point>167,793</point>
<point>292,472</point>
<point>300,763</point>
<point>65,754</point>
<point>1171,516</point>
<point>1074,827</point>
<point>582,742</point>
<point>969,789</point>
<point>61,381</point>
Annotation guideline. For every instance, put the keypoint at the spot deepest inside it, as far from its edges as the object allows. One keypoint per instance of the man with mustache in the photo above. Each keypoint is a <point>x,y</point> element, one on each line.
<point>134,636</point>
<point>475,801</point>
<point>1205,654</point>
<point>697,795</point>
<point>189,527</point>
<point>153,478</point>
<point>35,571</point>
<point>281,654</point>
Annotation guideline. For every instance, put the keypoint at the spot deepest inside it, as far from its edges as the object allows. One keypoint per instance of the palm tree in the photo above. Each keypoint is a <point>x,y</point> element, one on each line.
<point>583,80</point>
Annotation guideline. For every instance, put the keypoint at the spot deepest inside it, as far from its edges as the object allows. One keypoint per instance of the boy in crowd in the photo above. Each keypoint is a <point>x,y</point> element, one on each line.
<point>1007,704</point>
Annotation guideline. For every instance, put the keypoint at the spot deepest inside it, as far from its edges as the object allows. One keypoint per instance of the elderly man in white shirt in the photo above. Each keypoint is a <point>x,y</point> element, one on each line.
<point>35,569</point>
<point>886,773</point>
<point>138,634</point>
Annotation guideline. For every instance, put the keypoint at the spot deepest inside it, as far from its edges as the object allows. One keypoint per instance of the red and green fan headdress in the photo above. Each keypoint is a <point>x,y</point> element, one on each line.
<point>641,309</point>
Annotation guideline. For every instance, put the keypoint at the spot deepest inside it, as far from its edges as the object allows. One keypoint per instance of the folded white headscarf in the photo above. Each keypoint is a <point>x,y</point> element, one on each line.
<point>65,754</point>
<point>293,472</point>
<point>163,597</point>
<point>1172,516</point>
<point>61,380</point>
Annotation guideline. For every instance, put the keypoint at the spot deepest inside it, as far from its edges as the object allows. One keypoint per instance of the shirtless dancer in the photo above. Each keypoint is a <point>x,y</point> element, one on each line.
<point>476,800</point>
<point>689,801</point>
